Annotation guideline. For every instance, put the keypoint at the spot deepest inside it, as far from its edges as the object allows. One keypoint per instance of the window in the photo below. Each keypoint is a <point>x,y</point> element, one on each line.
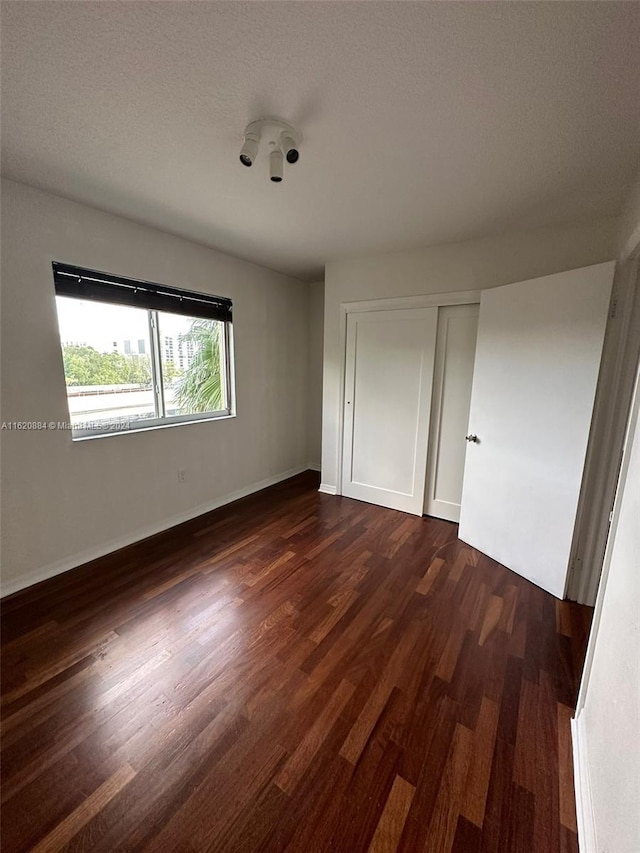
<point>139,355</point>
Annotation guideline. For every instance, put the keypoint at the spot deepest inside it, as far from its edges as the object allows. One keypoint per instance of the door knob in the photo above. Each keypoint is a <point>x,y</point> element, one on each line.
<point>473,438</point>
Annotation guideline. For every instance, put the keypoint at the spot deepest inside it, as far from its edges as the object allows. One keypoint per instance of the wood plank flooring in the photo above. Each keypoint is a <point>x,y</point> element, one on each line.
<point>291,672</point>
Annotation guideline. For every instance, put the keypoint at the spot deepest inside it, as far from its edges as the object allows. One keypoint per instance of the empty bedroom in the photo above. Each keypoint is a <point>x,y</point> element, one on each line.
<point>320,455</point>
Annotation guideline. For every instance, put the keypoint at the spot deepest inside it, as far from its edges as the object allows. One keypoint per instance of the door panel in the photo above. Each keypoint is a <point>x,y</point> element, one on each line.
<point>536,368</point>
<point>453,376</point>
<point>389,374</point>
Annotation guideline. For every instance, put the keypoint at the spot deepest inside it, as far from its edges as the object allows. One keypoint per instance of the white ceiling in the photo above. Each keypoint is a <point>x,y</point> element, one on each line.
<point>423,122</point>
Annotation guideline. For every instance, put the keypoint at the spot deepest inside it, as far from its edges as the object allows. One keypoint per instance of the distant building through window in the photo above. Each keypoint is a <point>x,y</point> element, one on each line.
<point>163,367</point>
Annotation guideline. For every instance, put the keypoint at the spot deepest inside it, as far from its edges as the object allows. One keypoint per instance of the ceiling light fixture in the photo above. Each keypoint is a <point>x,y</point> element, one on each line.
<point>282,140</point>
<point>276,164</point>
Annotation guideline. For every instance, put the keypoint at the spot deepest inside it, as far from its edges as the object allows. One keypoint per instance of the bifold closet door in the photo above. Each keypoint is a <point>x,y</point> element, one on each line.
<point>388,385</point>
<point>453,377</point>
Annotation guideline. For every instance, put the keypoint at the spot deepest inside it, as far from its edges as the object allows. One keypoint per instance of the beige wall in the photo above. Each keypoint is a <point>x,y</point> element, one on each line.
<point>65,502</point>
<point>314,392</point>
<point>472,265</point>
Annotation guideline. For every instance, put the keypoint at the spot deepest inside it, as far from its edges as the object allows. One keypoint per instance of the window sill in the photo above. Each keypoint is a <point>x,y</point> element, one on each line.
<point>152,427</point>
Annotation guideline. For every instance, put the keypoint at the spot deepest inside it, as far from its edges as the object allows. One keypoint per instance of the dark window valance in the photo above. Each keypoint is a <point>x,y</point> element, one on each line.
<point>103,287</point>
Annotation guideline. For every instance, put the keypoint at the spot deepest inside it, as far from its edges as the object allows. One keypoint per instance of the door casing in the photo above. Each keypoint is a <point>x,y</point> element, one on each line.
<point>455,355</point>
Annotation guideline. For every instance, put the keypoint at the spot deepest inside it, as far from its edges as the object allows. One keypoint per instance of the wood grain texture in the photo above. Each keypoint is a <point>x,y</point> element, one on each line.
<point>294,671</point>
<point>391,823</point>
<point>58,838</point>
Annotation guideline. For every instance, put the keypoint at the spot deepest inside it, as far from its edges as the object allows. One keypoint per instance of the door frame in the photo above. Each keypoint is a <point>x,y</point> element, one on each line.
<point>437,399</point>
<point>431,300</point>
<point>584,805</point>
<point>621,352</point>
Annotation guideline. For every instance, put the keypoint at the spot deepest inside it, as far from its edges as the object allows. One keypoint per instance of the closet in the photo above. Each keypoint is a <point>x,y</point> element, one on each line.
<point>480,415</point>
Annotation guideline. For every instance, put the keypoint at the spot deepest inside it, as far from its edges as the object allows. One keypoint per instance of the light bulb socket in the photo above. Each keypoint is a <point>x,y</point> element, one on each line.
<point>276,165</point>
<point>249,150</point>
<point>289,147</point>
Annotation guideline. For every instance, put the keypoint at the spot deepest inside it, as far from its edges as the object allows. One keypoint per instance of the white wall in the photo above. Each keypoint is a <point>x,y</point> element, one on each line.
<point>607,746</point>
<point>471,265</point>
<point>606,743</point>
<point>314,387</point>
<point>65,502</point>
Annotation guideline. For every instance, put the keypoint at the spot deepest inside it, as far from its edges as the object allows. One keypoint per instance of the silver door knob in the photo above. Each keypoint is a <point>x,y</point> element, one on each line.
<point>473,438</point>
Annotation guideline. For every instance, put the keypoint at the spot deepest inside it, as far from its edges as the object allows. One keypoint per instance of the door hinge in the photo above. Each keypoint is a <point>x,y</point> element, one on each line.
<point>614,308</point>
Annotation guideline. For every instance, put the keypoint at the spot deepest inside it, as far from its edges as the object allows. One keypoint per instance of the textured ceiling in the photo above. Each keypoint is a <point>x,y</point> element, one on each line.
<point>423,122</point>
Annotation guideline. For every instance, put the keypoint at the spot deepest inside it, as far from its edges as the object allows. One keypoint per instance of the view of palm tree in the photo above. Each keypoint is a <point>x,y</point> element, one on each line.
<point>200,387</point>
<point>108,353</point>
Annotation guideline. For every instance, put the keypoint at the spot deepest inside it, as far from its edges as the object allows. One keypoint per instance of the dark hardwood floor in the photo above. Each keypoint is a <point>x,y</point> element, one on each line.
<point>291,672</point>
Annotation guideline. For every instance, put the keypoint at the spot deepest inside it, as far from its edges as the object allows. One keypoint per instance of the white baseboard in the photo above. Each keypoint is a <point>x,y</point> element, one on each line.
<point>314,466</point>
<point>582,782</point>
<point>327,490</point>
<point>75,560</point>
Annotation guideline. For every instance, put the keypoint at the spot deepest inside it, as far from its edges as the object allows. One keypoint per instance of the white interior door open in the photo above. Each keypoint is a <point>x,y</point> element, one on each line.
<point>388,383</point>
<point>453,376</point>
<point>536,368</point>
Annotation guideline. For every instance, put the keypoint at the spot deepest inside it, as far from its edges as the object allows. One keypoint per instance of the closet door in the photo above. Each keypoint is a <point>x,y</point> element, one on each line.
<point>388,385</point>
<point>455,354</point>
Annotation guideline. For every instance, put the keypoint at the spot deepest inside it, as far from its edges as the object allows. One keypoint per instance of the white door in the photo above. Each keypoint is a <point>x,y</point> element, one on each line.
<point>537,360</point>
<point>389,376</point>
<point>453,376</point>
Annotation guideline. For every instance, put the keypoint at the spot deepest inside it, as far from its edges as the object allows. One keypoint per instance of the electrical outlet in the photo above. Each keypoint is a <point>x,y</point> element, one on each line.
<point>182,475</point>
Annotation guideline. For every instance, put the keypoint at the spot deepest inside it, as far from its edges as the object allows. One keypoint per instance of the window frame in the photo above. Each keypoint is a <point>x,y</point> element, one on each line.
<point>163,420</point>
